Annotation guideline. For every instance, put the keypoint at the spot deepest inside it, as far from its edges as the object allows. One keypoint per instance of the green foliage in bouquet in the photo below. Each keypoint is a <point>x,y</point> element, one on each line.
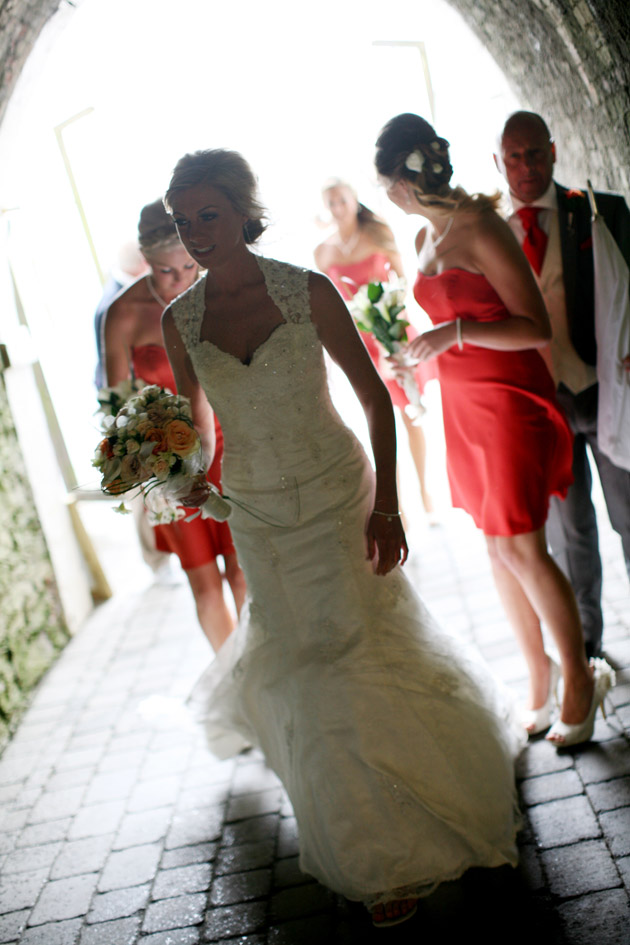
<point>376,308</point>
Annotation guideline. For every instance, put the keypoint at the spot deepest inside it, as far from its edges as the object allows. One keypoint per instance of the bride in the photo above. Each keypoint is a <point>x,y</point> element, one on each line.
<point>391,740</point>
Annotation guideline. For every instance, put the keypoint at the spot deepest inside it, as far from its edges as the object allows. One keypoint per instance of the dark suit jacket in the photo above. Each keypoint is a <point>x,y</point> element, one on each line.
<point>574,219</point>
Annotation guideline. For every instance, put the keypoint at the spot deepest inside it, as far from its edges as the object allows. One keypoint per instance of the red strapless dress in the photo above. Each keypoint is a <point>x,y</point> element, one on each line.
<point>375,268</point>
<point>200,541</point>
<point>508,445</point>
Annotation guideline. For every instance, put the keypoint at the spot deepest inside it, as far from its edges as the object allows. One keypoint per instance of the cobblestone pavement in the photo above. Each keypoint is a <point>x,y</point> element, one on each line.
<point>118,828</point>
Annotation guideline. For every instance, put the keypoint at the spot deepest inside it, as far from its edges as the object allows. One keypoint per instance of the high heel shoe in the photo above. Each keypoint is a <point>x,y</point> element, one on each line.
<point>405,909</point>
<point>536,721</point>
<point>561,733</point>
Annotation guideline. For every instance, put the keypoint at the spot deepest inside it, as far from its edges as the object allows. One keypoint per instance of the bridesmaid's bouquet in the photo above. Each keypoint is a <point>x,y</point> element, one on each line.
<point>377,308</point>
<point>151,446</point>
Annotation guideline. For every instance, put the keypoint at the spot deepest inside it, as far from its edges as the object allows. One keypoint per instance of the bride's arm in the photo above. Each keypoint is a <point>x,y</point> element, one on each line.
<point>341,339</point>
<point>188,385</point>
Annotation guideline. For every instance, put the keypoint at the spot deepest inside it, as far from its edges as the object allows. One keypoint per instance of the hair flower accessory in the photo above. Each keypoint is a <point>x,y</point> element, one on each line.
<point>437,168</point>
<point>436,145</point>
<point>415,161</point>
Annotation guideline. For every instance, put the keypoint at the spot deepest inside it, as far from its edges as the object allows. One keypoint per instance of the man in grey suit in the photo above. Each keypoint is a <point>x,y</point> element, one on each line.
<point>553,224</point>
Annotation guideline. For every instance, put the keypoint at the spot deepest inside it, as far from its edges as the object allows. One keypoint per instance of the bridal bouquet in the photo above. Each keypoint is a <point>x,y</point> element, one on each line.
<point>152,446</point>
<point>376,309</point>
<point>111,399</point>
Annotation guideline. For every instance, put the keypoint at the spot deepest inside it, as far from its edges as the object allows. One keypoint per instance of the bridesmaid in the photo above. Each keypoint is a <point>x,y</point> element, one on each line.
<point>360,250</point>
<point>133,342</point>
<point>508,444</point>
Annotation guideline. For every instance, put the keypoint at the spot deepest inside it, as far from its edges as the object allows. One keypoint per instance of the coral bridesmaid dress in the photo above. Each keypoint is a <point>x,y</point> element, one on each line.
<point>508,445</point>
<point>200,541</point>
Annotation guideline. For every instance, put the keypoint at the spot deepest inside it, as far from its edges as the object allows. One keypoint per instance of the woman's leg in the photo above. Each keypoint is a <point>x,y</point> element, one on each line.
<point>236,579</point>
<point>552,600</point>
<point>526,626</point>
<point>216,621</point>
<point>418,450</point>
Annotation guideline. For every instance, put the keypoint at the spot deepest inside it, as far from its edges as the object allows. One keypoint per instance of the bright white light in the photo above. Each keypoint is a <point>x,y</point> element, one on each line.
<point>301,91</point>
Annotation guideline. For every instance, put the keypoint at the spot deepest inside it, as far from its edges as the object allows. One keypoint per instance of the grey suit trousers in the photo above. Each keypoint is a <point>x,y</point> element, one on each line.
<point>572,524</point>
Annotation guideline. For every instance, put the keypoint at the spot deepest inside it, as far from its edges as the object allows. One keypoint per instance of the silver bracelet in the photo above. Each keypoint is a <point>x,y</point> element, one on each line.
<point>390,516</point>
<point>458,328</point>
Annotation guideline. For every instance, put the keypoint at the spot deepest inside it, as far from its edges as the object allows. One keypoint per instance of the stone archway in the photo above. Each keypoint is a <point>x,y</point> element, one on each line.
<point>567,59</point>
<point>570,61</point>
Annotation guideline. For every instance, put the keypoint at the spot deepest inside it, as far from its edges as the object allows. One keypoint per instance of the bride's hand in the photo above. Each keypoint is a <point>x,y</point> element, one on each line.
<point>386,540</point>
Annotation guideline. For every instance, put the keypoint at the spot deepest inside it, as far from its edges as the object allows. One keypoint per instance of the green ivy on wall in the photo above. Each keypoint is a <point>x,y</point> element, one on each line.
<point>32,627</point>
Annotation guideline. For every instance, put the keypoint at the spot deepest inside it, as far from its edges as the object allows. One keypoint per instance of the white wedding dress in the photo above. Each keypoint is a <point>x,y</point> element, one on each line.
<point>391,740</point>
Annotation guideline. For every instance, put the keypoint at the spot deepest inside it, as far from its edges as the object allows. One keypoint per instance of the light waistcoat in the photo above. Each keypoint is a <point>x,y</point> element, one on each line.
<point>563,361</point>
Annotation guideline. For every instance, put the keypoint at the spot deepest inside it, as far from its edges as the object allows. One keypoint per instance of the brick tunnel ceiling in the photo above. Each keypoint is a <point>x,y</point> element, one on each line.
<point>567,59</point>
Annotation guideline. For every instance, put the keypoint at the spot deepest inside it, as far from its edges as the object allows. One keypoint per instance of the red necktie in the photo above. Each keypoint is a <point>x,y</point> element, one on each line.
<point>535,242</point>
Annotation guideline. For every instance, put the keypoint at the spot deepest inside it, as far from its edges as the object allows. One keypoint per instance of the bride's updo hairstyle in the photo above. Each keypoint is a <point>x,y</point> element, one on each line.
<point>156,230</point>
<point>408,148</point>
<point>367,220</point>
<point>230,173</point>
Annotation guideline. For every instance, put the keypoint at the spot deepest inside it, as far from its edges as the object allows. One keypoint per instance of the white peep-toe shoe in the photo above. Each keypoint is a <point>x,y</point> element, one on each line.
<point>536,721</point>
<point>561,733</point>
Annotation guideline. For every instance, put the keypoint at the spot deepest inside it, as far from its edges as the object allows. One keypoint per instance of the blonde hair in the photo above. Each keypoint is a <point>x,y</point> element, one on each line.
<point>156,230</point>
<point>368,221</point>
<point>459,200</point>
<point>230,173</point>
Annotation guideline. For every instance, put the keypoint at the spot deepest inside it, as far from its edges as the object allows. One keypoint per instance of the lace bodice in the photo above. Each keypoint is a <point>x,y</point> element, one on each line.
<point>276,411</point>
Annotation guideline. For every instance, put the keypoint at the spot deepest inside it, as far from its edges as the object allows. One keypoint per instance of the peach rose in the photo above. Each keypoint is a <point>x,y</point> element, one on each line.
<point>132,469</point>
<point>181,437</point>
<point>105,447</point>
<point>156,435</point>
<point>156,413</point>
<point>160,467</point>
<point>143,425</point>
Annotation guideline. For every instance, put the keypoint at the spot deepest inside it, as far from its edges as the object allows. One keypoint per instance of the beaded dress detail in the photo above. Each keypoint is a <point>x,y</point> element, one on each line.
<point>393,742</point>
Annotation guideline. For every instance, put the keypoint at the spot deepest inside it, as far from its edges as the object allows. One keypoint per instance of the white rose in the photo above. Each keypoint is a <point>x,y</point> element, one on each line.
<point>415,161</point>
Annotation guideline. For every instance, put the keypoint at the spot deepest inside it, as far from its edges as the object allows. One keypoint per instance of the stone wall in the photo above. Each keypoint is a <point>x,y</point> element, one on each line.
<point>569,60</point>
<point>32,628</point>
<point>21,22</point>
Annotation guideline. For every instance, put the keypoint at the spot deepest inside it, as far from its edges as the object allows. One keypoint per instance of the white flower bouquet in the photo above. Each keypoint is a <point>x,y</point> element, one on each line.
<point>376,308</point>
<point>111,399</point>
<point>152,446</point>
